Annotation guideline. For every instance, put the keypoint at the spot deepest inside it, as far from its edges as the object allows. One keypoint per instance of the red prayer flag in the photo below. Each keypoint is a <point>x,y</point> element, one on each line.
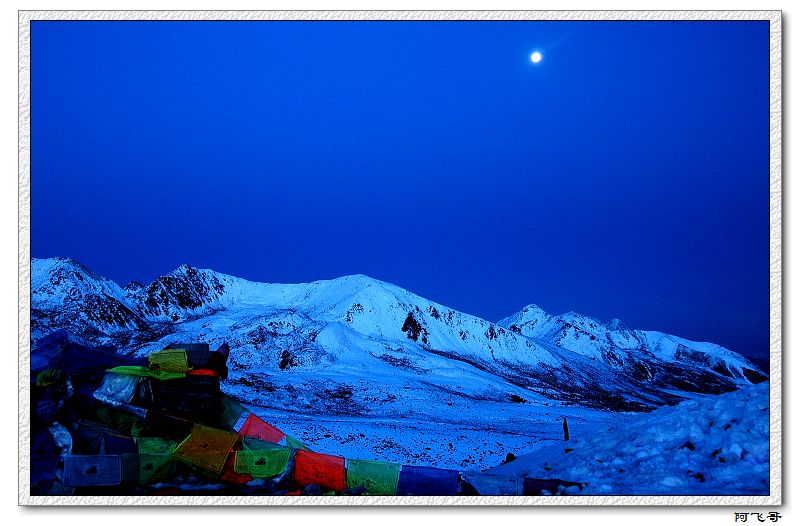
<point>203,372</point>
<point>315,468</point>
<point>254,427</point>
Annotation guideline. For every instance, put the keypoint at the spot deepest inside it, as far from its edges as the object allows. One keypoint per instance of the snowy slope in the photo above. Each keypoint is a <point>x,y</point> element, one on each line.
<point>712,446</point>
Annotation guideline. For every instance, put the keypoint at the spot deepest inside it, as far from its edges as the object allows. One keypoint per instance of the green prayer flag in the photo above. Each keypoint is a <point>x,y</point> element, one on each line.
<point>174,360</point>
<point>155,445</point>
<point>136,370</point>
<point>377,478</point>
<point>296,444</point>
<point>252,444</point>
<point>232,411</point>
<point>156,467</point>
<point>264,463</point>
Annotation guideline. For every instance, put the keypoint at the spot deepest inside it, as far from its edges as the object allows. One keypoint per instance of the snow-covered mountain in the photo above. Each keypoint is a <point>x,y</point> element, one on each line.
<point>66,294</point>
<point>356,323</point>
<point>356,349</point>
<point>648,357</point>
<point>364,368</point>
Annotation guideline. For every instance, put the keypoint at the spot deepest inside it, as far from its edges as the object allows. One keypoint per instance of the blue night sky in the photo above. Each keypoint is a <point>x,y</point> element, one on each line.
<point>625,175</point>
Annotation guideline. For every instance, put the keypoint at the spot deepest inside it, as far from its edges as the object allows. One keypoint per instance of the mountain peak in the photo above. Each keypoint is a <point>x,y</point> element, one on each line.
<point>534,311</point>
<point>359,279</point>
<point>356,277</point>
<point>183,270</point>
<point>358,285</point>
<point>531,315</point>
<point>182,291</point>
<point>59,273</point>
<point>534,308</point>
<point>60,263</point>
<point>616,325</point>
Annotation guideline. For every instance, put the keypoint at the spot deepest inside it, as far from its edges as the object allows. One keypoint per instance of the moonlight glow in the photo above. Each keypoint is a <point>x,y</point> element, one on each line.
<point>536,57</point>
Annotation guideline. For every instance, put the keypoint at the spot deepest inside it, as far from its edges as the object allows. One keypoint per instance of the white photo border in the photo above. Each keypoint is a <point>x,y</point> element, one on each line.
<point>776,300</point>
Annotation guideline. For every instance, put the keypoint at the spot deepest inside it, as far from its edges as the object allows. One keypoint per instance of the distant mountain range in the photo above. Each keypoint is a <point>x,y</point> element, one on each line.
<point>355,345</point>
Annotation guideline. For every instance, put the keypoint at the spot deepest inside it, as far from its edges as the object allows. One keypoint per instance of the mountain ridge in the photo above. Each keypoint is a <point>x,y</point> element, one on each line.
<point>359,326</point>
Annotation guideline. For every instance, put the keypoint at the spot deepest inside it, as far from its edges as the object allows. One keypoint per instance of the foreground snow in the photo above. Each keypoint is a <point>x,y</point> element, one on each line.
<point>711,446</point>
<point>476,437</point>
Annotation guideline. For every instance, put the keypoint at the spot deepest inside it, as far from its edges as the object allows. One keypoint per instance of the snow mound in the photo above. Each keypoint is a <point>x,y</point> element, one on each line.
<point>713,446</point>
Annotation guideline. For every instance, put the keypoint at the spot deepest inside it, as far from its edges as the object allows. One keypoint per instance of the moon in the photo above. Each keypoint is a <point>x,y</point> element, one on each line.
<point>536,57</point>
